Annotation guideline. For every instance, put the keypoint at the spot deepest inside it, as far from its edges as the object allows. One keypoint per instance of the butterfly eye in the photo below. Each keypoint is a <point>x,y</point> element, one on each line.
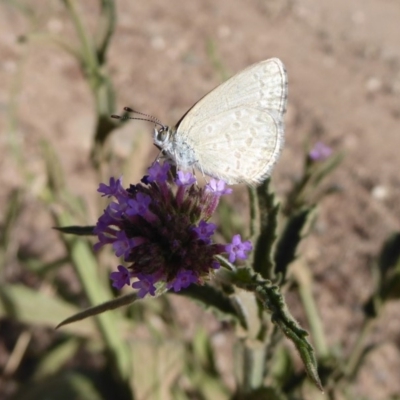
<point>162,135</point>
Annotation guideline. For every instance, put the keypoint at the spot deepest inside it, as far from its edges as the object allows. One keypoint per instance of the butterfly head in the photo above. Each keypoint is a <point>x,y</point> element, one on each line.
<point>162,138</point>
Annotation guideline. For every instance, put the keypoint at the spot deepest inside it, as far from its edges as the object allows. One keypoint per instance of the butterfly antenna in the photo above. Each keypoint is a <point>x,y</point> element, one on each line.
<point>148,117</point>
<point>128,109</point>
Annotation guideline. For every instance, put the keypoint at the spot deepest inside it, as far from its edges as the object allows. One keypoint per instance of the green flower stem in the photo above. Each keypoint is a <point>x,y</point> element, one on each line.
<point>357,352</point>
<point>296,196</point>
<point>254,214</point>
<point>106,27</point>
<point>304,281</point>
<point>97,77</point>
<point>56,40</point>
<point>93,64</point>
<point>250,362</point>
<point>88,50</point>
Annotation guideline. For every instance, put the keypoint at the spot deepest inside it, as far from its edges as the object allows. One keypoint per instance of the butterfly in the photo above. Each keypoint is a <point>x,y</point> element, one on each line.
<point>236,131</point>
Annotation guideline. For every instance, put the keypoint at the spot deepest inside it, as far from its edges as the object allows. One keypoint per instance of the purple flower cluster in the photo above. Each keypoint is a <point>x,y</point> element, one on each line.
<point>160,229</point>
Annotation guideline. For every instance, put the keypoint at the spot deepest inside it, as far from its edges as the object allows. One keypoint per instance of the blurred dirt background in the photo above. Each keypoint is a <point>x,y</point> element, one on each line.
<point>343,62</point>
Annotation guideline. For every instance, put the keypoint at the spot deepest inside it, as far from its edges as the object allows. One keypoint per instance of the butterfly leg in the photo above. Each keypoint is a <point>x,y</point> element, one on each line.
<point>158,156</point>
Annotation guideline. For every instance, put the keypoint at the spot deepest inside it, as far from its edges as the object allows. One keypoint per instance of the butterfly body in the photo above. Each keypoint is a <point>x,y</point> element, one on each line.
<point>175,148</point>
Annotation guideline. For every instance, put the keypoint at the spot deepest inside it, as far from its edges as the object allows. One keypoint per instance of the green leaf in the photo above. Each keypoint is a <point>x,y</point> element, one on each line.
<point>63,386</point>
<point>262,393</point>
<point>273,302</point>
<point>87,268</point>
<point>76,230</point>
<point>55,174</point>
<point>85,264</point>
<point>295,230</point>
<point>157,365</point>
<point>265,209</point>
<point>389,257</point>
<point>55,358</point>
<point>10,214</point>
<point>213,299</point>
<point>203,353</point>
<point>249,364</point>
<point>322,169</point>
<point>391,288</point>
<point>35,307</point>
<point>201,369</point>
<point>387,276</point>
<point>282,368</point>
<point>99,309</point>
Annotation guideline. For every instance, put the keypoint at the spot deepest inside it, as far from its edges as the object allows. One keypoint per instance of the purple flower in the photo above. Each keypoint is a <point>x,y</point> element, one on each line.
<point>112,189</point>
<point>185,179</point>
<point>139,205</point>
<point>204,231</point>
<point>145,284</point>
<point>123,245</point>
<point>183,280</point>
<point>160,230</point>
<point>215,265</point>
<point>120,278</point>
<point>237,249</point>
<point>116,210</point>
<point>158,172</point>
<point>105,221</point>
<point>218,187</point>
<point>320,152</point>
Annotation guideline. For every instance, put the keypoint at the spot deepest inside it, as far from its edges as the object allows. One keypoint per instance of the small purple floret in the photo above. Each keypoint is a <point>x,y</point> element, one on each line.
<point>185,179</point>
<point>112,189</point>
<point>215,265</point>
<point>218,187</point>
<point>183,280</point>
<point>204,231</point>
<point>320,152</point>
<point>145,285</point>
<point>139,205</point>
<point>120,278</point>
<point>123,245</point>
<point>237,249</point>
<point>158,172</point>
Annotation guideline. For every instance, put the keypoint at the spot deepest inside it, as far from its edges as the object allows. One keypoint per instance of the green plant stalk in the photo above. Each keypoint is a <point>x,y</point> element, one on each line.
<point>98,79</point>
<point>254,214</point>
<point>93,64</point>
<point>249,365</point>
<point>80,255</point>
<point>12,117</point>
<point>304,281</point>
<point>11,214</point>
<point>295,198</point>
<point>105,28</point>
<point>86,267</point>
<point>55,40</point>
<point>253,366</point>
<point>104,94</point>
<point>88,53</point>
<point>353,362</point>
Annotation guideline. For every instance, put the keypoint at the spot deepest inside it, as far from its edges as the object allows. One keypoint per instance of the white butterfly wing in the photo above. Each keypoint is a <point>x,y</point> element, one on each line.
<point>236,131</point>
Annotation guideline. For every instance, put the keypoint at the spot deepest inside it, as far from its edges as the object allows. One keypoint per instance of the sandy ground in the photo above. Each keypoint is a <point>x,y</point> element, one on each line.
<point>343,61</point>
